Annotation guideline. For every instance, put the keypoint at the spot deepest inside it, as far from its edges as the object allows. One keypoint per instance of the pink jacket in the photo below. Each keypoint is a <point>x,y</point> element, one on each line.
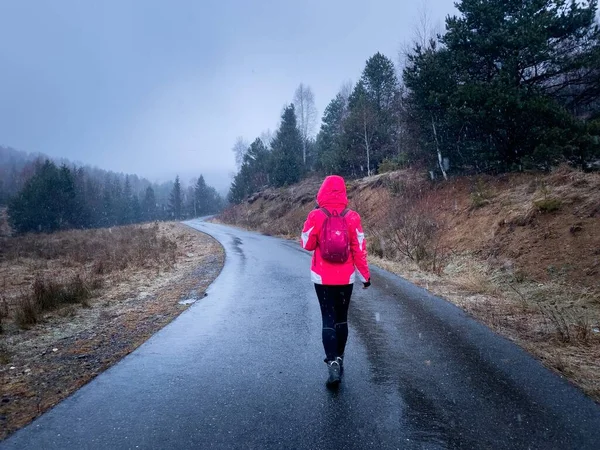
<point>332,196</point>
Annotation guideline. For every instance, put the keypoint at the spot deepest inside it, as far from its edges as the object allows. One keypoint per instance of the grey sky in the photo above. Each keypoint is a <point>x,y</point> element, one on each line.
<point>164,87</point>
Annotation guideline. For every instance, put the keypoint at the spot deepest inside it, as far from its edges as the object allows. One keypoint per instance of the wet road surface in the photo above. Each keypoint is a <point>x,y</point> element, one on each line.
<point>242,368</point>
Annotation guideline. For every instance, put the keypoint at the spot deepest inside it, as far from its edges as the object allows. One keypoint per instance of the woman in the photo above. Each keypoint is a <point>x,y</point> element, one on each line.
<point>335,234</point>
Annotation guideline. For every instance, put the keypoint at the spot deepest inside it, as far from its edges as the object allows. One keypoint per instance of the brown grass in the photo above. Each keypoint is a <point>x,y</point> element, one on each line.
<point>67,345</point>
<point>42,272</point>
<point>109,249</point>
<point>48,295</point>
<point>5,230</point>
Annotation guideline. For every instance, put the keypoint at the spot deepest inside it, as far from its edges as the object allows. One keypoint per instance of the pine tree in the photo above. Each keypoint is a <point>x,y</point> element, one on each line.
<point>380,82</point>
<point>127,213</point>
<point>240,186</point>
<point>136,210</point>
<point>176,200</point>
<point>149,205</point>
<point>286,151</point>
<point>47,203</point>
<point>332,154</point>
<point>508,85</point>
<point>252,176</point>
<point>370,120</point>
<point>201,197</point>
<point>257,159</point>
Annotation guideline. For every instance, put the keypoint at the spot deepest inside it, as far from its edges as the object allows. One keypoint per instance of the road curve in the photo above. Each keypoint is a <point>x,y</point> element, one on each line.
<point>242,368</point>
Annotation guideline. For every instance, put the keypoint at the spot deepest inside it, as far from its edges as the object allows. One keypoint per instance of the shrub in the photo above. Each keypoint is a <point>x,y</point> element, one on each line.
<point>480,195</point>
<point>396,186</point>
<point>548,204</point>
<point>47,295</point>
<point>26,313</point>
<point>392,164</point>
<point>4,354</point>
<point>417,235</point>
<point>3,311</point>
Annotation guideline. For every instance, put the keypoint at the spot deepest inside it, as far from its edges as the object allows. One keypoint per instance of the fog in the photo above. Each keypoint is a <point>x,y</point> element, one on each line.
<point>158,88</point>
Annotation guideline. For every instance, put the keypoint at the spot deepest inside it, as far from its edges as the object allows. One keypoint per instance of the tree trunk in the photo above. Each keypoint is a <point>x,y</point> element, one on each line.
<point>304,150</point>
<point>367,146</point>
<point>439,153</point>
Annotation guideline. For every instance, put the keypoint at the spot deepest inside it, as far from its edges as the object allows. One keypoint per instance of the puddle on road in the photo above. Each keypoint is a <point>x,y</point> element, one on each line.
<point>188,301</point>
<point>191,300</point>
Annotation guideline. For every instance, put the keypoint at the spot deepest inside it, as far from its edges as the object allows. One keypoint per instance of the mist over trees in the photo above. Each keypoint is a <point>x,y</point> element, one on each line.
<point>43,196</point>
<point>506,86</point>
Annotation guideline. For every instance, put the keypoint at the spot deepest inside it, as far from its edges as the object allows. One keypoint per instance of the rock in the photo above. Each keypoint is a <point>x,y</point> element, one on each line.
<point>575,228</point>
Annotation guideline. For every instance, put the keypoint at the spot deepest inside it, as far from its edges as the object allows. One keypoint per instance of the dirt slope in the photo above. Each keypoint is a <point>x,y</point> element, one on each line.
<point>492,217</point>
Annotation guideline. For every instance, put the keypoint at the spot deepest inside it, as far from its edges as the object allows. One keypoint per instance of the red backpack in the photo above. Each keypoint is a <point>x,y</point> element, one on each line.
<point>334,240</point>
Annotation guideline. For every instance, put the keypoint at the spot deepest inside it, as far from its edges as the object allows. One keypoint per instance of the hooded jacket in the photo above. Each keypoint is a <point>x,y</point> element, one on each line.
<point>332,196</point>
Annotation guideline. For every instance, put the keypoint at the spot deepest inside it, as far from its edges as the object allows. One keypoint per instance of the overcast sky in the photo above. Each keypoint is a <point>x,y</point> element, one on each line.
<point>163,87</point>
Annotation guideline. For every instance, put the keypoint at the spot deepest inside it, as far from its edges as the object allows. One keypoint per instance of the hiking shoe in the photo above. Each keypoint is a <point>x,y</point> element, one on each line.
<point>334,373</point>
<point>340,361</point>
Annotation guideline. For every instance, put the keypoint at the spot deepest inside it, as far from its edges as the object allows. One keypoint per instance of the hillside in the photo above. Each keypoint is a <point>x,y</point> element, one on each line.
<point>520,252</point>
<point>16,167</point>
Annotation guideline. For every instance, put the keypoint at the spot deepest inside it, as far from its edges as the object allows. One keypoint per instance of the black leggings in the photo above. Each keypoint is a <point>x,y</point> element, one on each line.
<point>334,301</point>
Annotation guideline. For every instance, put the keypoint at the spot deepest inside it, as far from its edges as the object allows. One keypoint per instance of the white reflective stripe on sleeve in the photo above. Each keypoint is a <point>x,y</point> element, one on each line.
<point>305,236</point>
<point>315,277</point>
<point>360,276</point>
<point>361,239</point>
<point>352,278</point>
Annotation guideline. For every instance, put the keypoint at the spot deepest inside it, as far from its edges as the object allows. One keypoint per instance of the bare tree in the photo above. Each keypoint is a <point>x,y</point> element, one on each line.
<point>425,35</point>
<point>304,103</point>
<point>425,31</point>
<point>346,90</point>
<point>266,137</point>
<point>239,150</point>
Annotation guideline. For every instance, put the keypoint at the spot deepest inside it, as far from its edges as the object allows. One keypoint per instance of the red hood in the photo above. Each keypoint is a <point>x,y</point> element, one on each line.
<point>333,193</point>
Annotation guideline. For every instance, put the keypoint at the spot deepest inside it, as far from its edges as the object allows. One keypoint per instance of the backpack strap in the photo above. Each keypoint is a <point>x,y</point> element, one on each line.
<point>328,214</point>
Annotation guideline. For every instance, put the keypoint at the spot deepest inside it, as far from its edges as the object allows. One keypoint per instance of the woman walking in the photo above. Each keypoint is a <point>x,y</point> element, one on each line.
<point>335,234</point>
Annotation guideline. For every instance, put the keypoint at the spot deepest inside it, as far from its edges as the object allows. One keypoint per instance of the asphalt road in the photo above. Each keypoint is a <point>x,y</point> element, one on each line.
<point>242,368</point>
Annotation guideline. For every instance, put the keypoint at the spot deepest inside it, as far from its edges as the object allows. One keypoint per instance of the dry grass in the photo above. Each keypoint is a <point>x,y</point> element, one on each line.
<point>109,249</point>
<point>69,344</point>
<point>5,230</point>
<point>47,295</point>
<point>41,272</point>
